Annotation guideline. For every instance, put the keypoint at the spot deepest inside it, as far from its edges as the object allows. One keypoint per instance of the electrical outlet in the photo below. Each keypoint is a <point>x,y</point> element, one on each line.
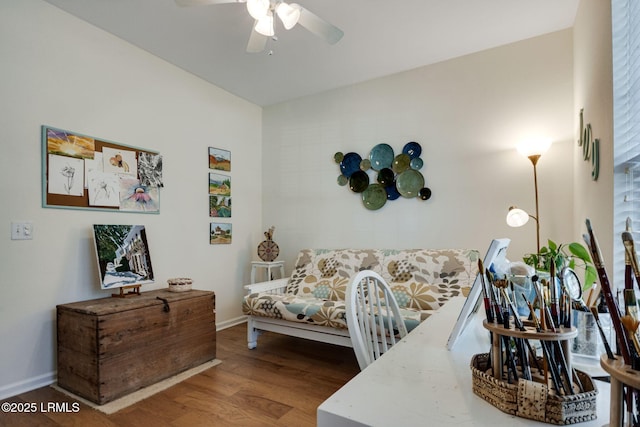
<point>22,230</point>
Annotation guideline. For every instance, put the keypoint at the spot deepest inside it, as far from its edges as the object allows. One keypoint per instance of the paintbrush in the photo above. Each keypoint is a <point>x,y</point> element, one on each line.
<point>553,367</point>
<point>607,348</point>
<point>553,294</point>
<point>522,355</point>
<point>485,293</point>
<point>632,326</point>
<point>495,303</point>
<point>614,311</point>
<point>630,258</point>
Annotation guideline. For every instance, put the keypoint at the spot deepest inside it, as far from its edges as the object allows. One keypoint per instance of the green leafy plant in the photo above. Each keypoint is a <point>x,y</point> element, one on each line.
<point>573,255</point>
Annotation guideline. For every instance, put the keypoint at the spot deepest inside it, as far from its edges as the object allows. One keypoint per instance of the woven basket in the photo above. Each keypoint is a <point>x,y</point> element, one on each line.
<point>179,284</point>
<point>533,400</point>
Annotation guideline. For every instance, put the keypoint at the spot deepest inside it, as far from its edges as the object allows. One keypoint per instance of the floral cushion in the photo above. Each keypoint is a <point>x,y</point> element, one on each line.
<point>316,311</point>
<point>422,279</point>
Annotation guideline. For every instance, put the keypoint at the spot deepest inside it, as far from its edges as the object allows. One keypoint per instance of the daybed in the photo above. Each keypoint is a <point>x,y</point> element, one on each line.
<point>311,302</point>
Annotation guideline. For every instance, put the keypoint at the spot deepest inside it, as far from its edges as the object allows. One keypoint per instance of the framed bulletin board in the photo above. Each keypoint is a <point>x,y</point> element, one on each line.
<point>83,172</point>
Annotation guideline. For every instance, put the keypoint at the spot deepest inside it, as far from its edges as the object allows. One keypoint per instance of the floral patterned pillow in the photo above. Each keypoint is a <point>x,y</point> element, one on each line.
<point>421,279</point>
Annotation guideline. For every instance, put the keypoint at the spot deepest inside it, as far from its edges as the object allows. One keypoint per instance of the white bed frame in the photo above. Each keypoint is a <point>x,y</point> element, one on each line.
<point>257,324</point>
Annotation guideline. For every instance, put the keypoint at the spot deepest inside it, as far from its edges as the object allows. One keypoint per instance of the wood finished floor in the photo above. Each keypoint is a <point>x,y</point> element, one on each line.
<point>280,383</point>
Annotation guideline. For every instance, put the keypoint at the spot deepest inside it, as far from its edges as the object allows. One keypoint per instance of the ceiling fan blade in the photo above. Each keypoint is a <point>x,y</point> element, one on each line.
<point>318,26</point>
<point>257,42</point>
<point>205,2</point>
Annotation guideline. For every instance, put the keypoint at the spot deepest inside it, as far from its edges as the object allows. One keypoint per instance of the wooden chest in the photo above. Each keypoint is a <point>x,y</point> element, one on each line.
<point>110,347</point>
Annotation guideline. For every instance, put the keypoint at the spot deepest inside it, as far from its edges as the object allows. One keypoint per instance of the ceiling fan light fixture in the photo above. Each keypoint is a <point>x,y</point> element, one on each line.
<point>258,9</point>
<point>264,25</point>
<point>289,14</point>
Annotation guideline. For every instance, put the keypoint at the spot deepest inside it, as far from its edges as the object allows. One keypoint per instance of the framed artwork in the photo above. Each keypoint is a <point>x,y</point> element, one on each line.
<point>219,206</point>
<point>219,233</point>
<point>219,185</point>
<point>83,172</point>
<point>103,189</point>
<point>150,169</point>
<point>119,161</point>
<point>496,253</point>
<point>123,255</point>
<point>135,197</point>
<point>66,175</point>
<point>219,159</point>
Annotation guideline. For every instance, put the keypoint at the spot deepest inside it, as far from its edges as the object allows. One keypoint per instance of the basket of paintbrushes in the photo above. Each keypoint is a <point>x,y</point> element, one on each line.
<point>513,377</point>
<point>534,399</point>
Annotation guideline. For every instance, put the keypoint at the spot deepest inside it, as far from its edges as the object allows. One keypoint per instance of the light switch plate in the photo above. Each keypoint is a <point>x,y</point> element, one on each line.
<point>22,230</point>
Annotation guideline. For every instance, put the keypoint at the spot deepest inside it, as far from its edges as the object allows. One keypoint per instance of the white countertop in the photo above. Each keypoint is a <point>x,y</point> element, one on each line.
<point>419,382</point>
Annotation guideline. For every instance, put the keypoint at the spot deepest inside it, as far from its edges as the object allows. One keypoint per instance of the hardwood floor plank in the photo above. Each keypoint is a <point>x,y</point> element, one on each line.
<point>298,418</point>
<point>280,383</point>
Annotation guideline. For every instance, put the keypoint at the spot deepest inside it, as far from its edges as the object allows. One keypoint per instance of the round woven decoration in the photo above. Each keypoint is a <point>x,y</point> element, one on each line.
<point>268,250</point>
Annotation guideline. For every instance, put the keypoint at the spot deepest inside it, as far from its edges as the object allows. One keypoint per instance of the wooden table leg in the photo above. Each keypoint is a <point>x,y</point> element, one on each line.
<point>496,356</point>
<point>616,405</point>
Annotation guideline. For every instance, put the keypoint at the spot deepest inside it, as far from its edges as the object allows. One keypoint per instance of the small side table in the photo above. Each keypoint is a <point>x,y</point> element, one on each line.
<point>268,266</point>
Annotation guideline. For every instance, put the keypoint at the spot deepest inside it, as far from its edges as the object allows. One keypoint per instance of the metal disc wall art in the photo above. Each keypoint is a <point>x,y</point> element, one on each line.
<point>383,175</point>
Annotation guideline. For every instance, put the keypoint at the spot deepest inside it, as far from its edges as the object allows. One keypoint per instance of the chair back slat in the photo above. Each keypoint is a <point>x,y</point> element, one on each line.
<point>373,317</point>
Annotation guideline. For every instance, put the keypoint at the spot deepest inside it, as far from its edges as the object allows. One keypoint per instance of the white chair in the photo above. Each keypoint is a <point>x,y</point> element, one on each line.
<point>373,317</point>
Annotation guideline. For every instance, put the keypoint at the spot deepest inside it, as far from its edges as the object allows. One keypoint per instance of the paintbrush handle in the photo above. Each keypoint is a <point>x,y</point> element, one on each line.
<point>614,311</point>
<point>607,348</point>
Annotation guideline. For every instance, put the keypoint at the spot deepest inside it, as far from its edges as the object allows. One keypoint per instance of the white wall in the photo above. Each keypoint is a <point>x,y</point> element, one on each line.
<point>593,91</point>
<point>60,71</point>
<point>468,114</point>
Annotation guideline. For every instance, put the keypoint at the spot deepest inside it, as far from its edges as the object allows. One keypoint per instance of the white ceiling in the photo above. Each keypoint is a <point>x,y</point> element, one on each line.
<point>381,37</point>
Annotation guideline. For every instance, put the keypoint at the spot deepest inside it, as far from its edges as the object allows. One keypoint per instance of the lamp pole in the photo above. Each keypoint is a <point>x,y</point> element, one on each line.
<point>534,160</point>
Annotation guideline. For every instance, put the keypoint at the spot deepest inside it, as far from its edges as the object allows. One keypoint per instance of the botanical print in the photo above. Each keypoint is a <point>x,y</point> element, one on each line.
<point>120,161</point>
<point>220,206</point>
<point>219,233</point>
<point>67,144</point>
<point>150,169</point>
<point>66,175</point>
<point>103,189</point>
<point>91,165</point>
<point>219,185</point>
<point>123,255</point>
<point>137,197</point>
<point>219,159</point>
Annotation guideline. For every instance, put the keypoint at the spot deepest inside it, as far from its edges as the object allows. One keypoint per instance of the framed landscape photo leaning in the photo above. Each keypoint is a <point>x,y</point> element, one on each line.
<point>496,253</point>
<point>123,255</point>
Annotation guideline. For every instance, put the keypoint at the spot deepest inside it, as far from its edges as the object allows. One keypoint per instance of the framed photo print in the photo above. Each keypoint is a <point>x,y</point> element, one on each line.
<point>219,206</point>
<point>123,255</point>
<point>219,233</point>
<point>219,185</point>
<point>219,159</point>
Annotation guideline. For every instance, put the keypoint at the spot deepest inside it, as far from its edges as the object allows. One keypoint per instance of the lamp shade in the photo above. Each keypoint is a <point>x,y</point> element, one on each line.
<point>258,8</point>
<point>289,14</point>
<point>516,217</point>
<point>264,25</point>
<point>534,147</point>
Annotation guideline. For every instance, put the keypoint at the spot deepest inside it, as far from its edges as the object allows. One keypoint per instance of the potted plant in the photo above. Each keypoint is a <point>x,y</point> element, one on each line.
<point>573,255</point>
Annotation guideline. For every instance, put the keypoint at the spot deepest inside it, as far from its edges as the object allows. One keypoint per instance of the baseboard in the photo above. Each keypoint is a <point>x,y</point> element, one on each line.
<point>232,322</point>
<point>27,385</point>
<point>51,377</point>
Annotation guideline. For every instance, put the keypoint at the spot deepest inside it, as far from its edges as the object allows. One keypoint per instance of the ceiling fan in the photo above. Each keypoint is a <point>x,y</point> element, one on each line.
<point>290,14</point>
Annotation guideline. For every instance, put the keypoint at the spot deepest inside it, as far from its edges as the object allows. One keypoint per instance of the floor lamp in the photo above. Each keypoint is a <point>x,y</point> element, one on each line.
<point>517,217</point>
